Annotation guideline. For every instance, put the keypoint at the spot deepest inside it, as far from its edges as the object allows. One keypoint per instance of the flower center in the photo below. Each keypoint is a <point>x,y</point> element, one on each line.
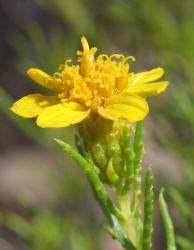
<point>94,80</point>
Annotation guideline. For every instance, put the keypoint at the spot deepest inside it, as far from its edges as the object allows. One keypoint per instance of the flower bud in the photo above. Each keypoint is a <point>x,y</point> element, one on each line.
<point>102,140</point>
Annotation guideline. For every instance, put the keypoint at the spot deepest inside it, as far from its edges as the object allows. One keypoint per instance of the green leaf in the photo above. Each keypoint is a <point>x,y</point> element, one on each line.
<point>169,228</point>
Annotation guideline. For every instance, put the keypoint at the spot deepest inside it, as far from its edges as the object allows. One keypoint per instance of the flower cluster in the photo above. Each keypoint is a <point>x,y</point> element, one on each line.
<point>97,86</point>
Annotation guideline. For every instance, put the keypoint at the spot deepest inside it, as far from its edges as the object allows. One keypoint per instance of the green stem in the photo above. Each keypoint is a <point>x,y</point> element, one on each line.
<point>128,225</point>
<point>93,178</point>
<point>112,213</point>
<point>103,207</point>
<point>136,210</point>
<point>169,228</point>
<point>138,145</point>
<point>128,157</point>
<point>118,233</point>
<point>148,211</point>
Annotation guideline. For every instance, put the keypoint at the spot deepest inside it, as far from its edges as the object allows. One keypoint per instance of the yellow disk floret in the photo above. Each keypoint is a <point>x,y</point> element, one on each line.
<point>94,81</point>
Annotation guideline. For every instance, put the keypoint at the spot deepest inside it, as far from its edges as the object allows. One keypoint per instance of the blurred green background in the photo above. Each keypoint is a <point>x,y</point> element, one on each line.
<point>45,200</point>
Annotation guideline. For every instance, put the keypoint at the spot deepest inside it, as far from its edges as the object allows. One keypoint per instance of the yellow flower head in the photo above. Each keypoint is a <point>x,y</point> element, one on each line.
<point>97,86</point>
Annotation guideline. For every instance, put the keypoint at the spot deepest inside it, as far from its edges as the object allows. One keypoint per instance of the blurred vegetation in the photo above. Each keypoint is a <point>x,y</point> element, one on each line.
<point>56,228</point>
<point>157,33</point>
<point>51,231</point>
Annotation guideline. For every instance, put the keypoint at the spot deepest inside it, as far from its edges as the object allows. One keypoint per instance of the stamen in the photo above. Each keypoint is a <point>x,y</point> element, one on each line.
<point>68,61</point>
<point>61,67</point>
<point>102,57</point>
<point>132,58</point>
<point>57,75</point>
<point>117,56</point>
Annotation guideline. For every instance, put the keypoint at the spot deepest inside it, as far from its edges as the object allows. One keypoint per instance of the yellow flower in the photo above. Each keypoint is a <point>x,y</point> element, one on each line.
<point>103,86</point>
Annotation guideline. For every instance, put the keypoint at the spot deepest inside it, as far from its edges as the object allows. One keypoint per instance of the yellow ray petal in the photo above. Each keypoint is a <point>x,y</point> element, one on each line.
<point>125,106</point>
<point>148,89</point>
<point>118,112</point>
<point>31,105</point>
<point>129,99</point>
<point>147,76</point>
<point>44,79</point>
<point>62,115</point>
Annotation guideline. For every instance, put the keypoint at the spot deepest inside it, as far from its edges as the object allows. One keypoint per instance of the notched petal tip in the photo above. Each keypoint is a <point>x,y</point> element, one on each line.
<point>161,87</point>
